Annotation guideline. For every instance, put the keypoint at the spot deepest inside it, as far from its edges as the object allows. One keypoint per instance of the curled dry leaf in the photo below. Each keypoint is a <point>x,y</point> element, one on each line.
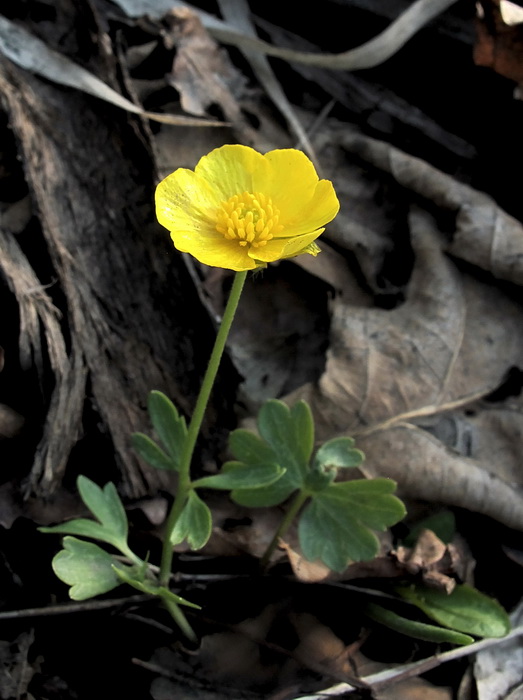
<point>202,72</point>
<point>431,558</point>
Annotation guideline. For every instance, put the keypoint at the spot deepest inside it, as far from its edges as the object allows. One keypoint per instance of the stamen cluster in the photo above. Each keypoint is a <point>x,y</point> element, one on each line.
<point>250,218</point>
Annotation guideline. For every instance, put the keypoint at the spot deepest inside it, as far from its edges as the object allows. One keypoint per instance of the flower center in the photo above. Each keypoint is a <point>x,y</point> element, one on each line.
<point>251,219</point>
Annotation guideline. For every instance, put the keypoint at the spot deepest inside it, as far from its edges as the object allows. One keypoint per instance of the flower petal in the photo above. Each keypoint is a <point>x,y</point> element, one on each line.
<point>186,201</point>
<point>290,182</point>
<point>321,209</point>
<point>280,248</point>
<point>215,251</point>
<point>232,169</point>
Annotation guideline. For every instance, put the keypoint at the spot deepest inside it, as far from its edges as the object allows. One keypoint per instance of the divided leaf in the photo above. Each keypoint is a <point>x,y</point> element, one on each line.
<point>287,440</point>
<point>339,453</point>
<point>170,428</point>
<point>465,609</point>
<point>151,452</point>
<point>290,433</point>
<point>334,527</point>
<point>194,523</point>
<point>241,476</point>
<point>87,568</point>
<point>106,506</point>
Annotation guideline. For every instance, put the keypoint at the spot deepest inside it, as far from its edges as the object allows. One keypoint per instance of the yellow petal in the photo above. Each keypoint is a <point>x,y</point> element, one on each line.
<point>280,248</point>
<point>290,182</point>
<point>322,208</point>
<point>215,251</point>
<point>185,201</point>
<point>232,169</point>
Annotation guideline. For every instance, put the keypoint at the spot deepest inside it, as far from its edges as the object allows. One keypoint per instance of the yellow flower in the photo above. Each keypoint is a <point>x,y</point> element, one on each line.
<point>240,209</point>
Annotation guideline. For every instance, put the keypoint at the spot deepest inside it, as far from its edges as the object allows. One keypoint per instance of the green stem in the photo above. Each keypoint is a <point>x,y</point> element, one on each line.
<point>184,483</point>
<point>180,619</point>
<point>286,521</point>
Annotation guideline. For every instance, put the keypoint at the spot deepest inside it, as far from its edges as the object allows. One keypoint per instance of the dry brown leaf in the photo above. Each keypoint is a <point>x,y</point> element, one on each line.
<point>430,359</point>
<point>447,344</point>
<point>202,72</point>
<point>431,558</point>
<point>31,53</point>
<point>484,234</point>
<point>427,470</point>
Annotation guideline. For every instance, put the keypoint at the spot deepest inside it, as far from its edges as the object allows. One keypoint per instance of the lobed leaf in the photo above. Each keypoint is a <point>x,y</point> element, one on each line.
<point>330,533</point>
<point>169,425</point>
<point>264,496</point>
<point>247,447</point>
<point>465,609</point>
<point>86,567</point>
<point>151,452</point>
<point>241,477</point>
<point>290,433</point>
<point>105,505</point>
<point>194,523</point>
<point>334,527</point>
<point>338,453</point>
<point>371,501</point>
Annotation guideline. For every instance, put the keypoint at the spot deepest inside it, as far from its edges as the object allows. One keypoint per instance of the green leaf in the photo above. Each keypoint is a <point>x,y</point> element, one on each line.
<point>247,447</point>
<point>264,496</point>
<point>194,523</point>
<point>169,425</point>
<point>413,628</point>
<point>243,477</point>
<point>289,433</point>
<point>86,567</point>
<point>151,452</point>
<point>330,533</point>
<point>338,452</point>
<point>334,527</point>
<point>465,609</point>
<point>287,441</point>
<point>369,500</point>
<point>84,528</point>
<point>105,504</point>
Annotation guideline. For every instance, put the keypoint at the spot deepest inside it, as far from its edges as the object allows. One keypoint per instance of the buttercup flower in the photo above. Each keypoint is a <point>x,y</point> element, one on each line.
<point>240,209</point>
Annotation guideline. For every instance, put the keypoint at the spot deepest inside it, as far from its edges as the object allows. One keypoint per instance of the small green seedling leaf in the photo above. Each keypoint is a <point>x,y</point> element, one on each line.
<point>87,568</point>
<point>169,425</point>
<point>338,453</point>
<point>242,477</point>
<point>194,523</point>
<point>151,452</point>
<point>335,526</point>
<point>415,629</point>
<point>465,609</point>
<point>106,506</point>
